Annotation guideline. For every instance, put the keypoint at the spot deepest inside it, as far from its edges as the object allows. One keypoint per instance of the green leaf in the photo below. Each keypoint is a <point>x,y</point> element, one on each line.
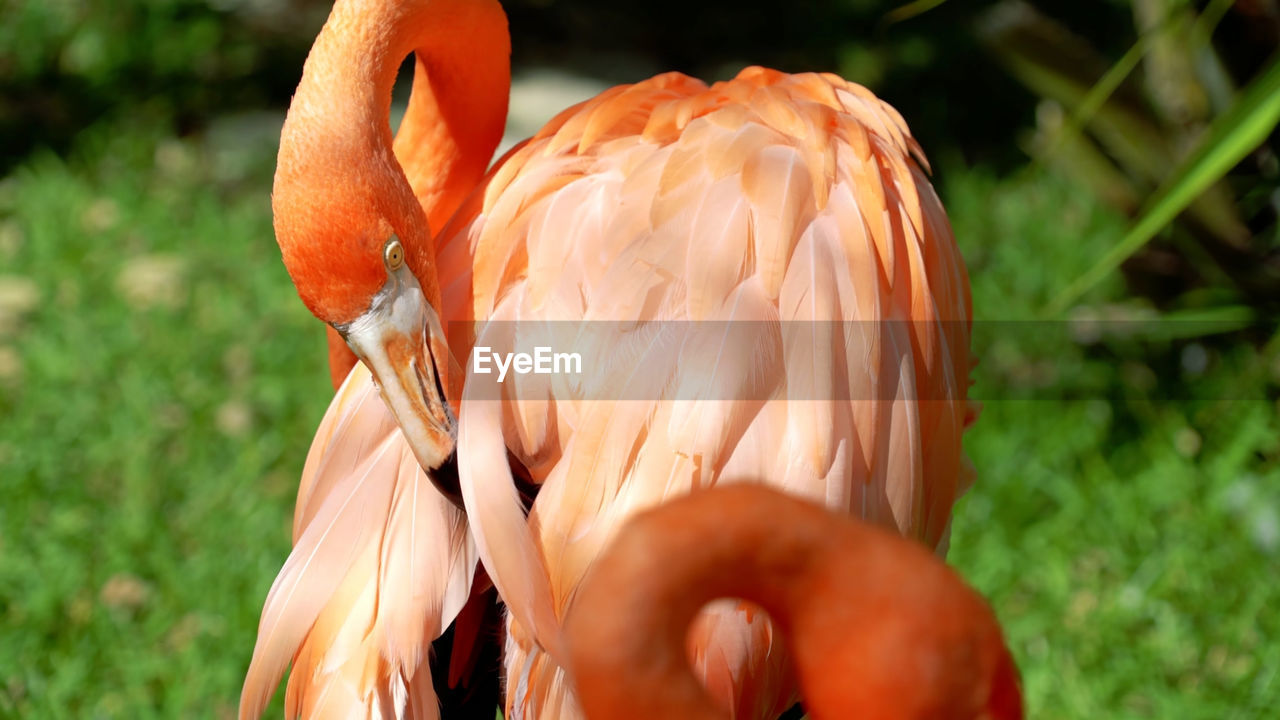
<point>1232,136</point>
<point>910,10</point>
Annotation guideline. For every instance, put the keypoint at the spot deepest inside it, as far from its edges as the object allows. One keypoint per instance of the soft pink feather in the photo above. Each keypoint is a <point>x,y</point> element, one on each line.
<point>381,565</point>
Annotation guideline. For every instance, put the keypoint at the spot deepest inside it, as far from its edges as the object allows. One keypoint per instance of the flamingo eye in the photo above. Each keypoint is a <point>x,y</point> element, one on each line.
<point>393,254</point>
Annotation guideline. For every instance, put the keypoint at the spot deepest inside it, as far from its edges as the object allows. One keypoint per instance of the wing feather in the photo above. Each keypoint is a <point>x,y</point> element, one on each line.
<point>381,565</point>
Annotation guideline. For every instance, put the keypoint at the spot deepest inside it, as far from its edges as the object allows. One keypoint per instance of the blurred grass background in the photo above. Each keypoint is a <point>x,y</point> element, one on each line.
<point>160,381</point>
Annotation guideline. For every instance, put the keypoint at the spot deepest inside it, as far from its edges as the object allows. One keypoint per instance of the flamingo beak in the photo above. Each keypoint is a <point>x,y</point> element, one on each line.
<point>401,341</point>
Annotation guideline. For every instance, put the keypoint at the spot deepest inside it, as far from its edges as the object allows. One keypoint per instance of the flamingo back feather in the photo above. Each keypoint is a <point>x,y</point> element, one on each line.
<point>788,215</point>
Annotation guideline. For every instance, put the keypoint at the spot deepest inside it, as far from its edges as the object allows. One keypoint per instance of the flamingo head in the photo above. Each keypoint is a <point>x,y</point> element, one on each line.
<point>356,243</point>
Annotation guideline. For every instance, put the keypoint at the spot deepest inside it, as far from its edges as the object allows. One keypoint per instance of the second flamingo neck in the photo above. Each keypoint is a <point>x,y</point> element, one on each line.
<point>764,555</point>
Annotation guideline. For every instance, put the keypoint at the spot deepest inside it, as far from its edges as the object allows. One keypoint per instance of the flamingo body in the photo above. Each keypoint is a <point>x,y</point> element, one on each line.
<point>788,210</point>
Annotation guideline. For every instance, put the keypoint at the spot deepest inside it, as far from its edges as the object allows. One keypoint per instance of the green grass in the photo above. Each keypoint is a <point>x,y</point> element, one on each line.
<point>151,441</point>
<point>1129,540</point>
<point>152,438</point>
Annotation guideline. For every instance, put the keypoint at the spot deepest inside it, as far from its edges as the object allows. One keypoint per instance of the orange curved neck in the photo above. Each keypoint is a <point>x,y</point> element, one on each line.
<point>876,625</point>
<point>339,119</point>
<point>660,572</point>
<point>457,110</point>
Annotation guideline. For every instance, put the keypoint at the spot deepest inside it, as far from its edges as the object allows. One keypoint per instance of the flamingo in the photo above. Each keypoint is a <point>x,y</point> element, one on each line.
<point>382,561</point>
<point>787,218</point>
<point>879,627</point>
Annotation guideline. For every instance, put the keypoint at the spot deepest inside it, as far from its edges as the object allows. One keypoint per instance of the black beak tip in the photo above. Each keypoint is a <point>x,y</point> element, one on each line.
<point>445,478</point>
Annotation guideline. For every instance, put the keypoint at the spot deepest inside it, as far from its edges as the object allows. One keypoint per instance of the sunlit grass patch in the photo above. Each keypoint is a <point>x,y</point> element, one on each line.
<point>1124,521</point>
<point>167,388</point>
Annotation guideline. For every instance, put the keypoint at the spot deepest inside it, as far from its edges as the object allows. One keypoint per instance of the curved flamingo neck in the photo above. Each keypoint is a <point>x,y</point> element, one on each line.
<point>338,133</point>
<point>458,107</point>
<point>627,626</point>
<point>877,626</point>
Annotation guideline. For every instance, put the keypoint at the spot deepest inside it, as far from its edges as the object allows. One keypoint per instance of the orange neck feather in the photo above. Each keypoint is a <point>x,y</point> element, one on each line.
<point>339,191</point>
<point>458,107</point>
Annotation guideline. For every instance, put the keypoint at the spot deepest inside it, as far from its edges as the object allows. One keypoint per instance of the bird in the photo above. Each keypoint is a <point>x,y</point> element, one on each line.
<point>382,561</point>
<point>759,272</point>
<point>879,626</point>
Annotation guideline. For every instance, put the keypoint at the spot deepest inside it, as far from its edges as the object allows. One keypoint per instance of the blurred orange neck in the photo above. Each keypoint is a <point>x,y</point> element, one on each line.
<point>877,626</point>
